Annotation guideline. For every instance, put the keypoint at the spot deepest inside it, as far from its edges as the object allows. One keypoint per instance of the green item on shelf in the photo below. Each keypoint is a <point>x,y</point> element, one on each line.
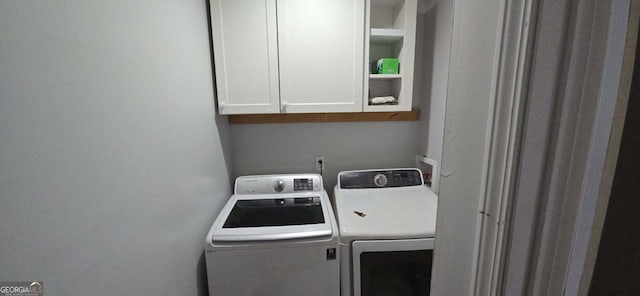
<point>387,66</point>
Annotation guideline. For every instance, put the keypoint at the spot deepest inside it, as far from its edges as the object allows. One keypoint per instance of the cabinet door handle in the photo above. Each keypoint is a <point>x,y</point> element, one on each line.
<point>283,106</point>
<point>222,105</point>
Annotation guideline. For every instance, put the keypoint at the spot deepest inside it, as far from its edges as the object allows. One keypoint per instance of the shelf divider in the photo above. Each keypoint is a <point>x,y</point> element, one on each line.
<point>386,36</point>
<point>385,76</point>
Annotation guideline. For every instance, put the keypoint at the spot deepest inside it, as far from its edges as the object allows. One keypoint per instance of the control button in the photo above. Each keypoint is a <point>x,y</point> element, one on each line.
<point>279,202</point>
<point>380,180</point>
<point>279,186</point>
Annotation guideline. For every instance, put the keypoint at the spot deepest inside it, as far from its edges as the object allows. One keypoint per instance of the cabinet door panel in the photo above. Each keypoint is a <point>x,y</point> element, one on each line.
<point>321,45</point>
<point>245,53</point>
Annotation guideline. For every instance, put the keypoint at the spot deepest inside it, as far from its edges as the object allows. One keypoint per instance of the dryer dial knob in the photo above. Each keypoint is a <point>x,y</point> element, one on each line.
<point>279,186</point>
<point>380,180</point>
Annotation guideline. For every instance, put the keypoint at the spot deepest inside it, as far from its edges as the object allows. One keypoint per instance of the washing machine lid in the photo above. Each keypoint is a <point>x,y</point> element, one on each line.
<point>284,211</point>
<point>273,217</point>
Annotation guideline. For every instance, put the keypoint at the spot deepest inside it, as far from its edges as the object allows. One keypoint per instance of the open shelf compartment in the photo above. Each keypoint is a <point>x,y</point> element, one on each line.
<point>391,27</point>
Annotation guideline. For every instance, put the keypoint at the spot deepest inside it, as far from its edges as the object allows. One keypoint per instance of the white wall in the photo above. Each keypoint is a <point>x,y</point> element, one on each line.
<point>111,162</point>
<point>291,148</point>
<point>433,46</point>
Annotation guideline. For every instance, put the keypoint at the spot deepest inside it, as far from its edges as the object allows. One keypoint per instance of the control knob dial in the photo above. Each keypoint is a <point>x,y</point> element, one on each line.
<point>278,186</point>
<point>380,180</point>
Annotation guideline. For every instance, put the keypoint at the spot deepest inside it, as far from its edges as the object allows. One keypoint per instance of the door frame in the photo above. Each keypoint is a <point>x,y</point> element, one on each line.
<point>504,139</point>
<point>545,168</point>
<point>615,139</point>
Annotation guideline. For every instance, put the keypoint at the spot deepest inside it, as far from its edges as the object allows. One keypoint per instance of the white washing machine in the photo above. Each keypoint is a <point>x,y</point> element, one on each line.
<point>387,222</point>
<point>277,235</point>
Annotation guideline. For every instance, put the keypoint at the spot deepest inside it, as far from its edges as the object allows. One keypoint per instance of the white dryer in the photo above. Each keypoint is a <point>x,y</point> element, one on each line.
<point>387,222</point>
<point>277,235</point>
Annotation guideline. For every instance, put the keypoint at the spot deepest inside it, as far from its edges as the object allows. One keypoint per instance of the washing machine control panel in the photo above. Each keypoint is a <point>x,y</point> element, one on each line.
<point>268,184</point>
<point>380,178</point>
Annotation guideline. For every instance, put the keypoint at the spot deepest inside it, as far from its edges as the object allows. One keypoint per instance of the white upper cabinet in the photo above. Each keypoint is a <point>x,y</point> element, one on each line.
<point>288,56</point>
<point>246,56</point>
<point>321,51</point>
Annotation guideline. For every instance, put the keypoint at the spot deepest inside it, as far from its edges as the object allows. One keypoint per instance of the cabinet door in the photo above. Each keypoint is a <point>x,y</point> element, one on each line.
<point>321,45</point>
<point>245,54</point>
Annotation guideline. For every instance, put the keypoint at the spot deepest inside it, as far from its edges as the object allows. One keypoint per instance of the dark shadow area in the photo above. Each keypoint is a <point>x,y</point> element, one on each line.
<point>223,130</point>
<point>201,269</point>
<point>423,71</point>
<point>617,268</point>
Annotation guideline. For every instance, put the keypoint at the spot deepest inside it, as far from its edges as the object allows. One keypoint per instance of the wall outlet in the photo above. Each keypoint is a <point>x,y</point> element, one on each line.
<point>320,163</point>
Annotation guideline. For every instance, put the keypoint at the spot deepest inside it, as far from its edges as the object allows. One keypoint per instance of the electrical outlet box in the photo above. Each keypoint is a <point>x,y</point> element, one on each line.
<point>320,163</point>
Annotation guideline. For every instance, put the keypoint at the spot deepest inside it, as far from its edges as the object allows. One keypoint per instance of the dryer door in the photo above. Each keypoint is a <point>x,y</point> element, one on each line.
<point>392,267</point>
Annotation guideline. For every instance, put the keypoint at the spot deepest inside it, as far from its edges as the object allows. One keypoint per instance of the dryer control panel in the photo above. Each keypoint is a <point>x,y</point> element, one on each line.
<point>273,184</point>
<point>380,178</point>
